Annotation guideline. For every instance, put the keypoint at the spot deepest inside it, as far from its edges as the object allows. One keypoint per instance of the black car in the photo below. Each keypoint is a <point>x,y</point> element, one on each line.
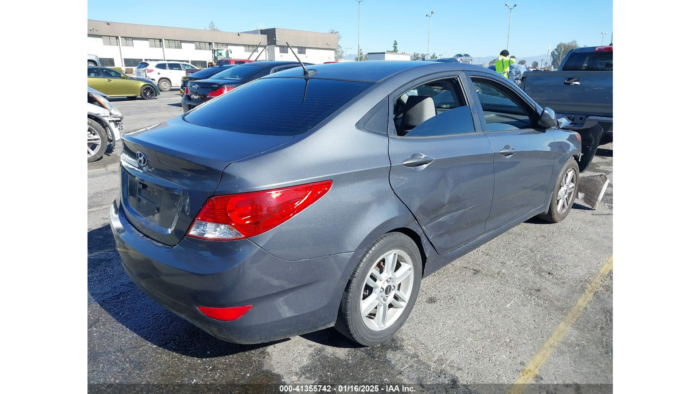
<point>201,74</point>
<point>206,89</point>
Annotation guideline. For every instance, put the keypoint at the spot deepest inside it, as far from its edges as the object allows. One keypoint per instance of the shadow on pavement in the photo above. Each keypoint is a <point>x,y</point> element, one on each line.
<point>331,337</point>
<point>604,152</point>
<point>112,290</point>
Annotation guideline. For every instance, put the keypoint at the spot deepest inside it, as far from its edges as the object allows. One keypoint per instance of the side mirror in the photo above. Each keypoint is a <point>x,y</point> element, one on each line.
<point>548,119</point>
<point>122,76</point>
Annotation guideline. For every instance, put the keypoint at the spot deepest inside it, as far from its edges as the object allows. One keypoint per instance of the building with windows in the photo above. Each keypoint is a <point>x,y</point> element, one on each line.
<point>126,45</point>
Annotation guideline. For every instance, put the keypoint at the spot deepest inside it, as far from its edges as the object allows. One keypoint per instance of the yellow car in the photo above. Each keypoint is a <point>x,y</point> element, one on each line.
<point>115,84</point>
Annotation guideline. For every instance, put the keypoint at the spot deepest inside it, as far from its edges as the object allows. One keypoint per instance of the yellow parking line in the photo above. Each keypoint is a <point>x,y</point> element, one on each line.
<point>533,368</point>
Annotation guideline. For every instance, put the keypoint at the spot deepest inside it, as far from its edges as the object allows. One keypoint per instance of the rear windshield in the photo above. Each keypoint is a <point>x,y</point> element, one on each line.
<point>142,65</point>
<point>208,72</point>
<point>276,106</point>
<point>589,61</point>
<point>237,73</point>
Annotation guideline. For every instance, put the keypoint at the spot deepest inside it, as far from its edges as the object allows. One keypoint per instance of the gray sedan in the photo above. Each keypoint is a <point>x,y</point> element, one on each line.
<point>321,198</point>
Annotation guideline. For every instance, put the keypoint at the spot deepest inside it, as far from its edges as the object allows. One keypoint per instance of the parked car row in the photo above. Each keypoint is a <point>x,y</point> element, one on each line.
<point>320,197</point>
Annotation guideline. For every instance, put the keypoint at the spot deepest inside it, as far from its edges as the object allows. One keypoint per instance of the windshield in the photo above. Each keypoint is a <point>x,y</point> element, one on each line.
<point>276,106</point>
<point>238,73</point>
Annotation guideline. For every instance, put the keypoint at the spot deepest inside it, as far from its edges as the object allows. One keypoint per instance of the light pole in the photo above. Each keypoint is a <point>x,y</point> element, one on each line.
<point>430,17</point>
<point>602,37</point>
<point>358,30</point>
<point>510,12</point>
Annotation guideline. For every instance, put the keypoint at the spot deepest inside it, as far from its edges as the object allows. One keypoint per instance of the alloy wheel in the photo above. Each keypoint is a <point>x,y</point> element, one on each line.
<point>565,196</point>
<point>388,287</point>
<point>93,141</point>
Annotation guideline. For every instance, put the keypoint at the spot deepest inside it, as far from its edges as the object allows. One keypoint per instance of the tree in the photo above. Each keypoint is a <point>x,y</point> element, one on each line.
<point>416,56</point>
<point>433,56</point>
<point>535,64</point>
<point>212,26</point>
<point>396,46</point>
<point>360,56</point>
<point>339,51</point>
<point>561,50</point>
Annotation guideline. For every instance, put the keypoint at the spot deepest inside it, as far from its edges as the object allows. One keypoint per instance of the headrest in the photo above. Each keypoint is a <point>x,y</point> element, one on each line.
<point>418,109</point>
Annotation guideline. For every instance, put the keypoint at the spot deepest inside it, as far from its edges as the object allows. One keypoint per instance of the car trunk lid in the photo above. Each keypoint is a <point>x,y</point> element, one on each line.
<point>168,172</point>
<point>199,90</point>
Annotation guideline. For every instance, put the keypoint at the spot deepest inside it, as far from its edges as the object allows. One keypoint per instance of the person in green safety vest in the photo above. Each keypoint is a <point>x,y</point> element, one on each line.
<point>503,63</point>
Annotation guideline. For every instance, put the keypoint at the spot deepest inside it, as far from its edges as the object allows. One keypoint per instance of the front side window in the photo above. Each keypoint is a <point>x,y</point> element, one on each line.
<point>111,73</point>
<point>433,109</point>
<point>155,43</point>
<point>175,66</point>
<point>502,108</point>
<point>94,72</point>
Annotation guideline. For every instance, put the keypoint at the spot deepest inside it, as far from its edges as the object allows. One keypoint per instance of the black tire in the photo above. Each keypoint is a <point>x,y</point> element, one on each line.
<point>99,135</point>
<point>148,92</point>
<point>554,215</point>
<point>164,85</point>
<point>350,321</point>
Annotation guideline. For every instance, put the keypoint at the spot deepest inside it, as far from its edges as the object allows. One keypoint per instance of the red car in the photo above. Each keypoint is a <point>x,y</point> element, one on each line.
<point>233,61</point>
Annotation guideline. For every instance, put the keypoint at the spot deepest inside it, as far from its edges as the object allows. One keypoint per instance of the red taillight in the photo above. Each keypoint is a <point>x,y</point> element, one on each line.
<point>225,314</point>
<point>148,70</point>
<point>220,91</point>
<point>187,90</point>
<point>604,49</point>
<point>244,215</point>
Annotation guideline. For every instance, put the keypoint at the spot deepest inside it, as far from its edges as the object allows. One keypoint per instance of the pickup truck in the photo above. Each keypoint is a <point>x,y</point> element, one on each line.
<point>581,90</point>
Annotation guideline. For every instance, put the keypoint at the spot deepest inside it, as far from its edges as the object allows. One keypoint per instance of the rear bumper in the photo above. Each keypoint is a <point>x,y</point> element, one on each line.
<point>288,297</point>
<point>188,104</point>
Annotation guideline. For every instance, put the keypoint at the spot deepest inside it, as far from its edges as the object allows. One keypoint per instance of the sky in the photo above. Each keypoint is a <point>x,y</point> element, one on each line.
<point>479,28</point>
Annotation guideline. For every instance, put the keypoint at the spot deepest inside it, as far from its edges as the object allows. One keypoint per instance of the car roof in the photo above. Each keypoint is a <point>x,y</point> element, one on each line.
<point>371,70</point>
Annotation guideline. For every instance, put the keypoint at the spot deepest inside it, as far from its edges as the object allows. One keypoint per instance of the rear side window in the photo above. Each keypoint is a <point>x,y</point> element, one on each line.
<point>278,106</point>
<point>142,65</point>
<point>589,61</point>
<point>160,66</point>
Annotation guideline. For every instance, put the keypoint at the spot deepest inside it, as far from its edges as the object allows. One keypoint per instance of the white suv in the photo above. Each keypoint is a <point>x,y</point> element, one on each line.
<point>164,73</point>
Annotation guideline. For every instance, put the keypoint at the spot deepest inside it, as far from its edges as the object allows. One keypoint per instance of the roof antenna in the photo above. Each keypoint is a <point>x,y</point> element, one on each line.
<point>256,48</point>
<point>307,73</point>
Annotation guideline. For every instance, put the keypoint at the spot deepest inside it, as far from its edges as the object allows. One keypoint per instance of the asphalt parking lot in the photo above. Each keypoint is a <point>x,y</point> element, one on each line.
<point>486,318</point>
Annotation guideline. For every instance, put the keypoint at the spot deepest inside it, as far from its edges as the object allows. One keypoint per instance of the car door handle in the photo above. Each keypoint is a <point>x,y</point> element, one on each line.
<point>572,81</point>
<point>507,151</point>
<point>417,160</point>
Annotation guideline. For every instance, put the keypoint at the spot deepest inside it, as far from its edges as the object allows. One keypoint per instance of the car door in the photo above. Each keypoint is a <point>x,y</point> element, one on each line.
<point>441,162</point>
<point>524,152</point>
<point>117,83</point>
<point>95,79</point>
<point>161,71</point>
<point>176,72</point>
